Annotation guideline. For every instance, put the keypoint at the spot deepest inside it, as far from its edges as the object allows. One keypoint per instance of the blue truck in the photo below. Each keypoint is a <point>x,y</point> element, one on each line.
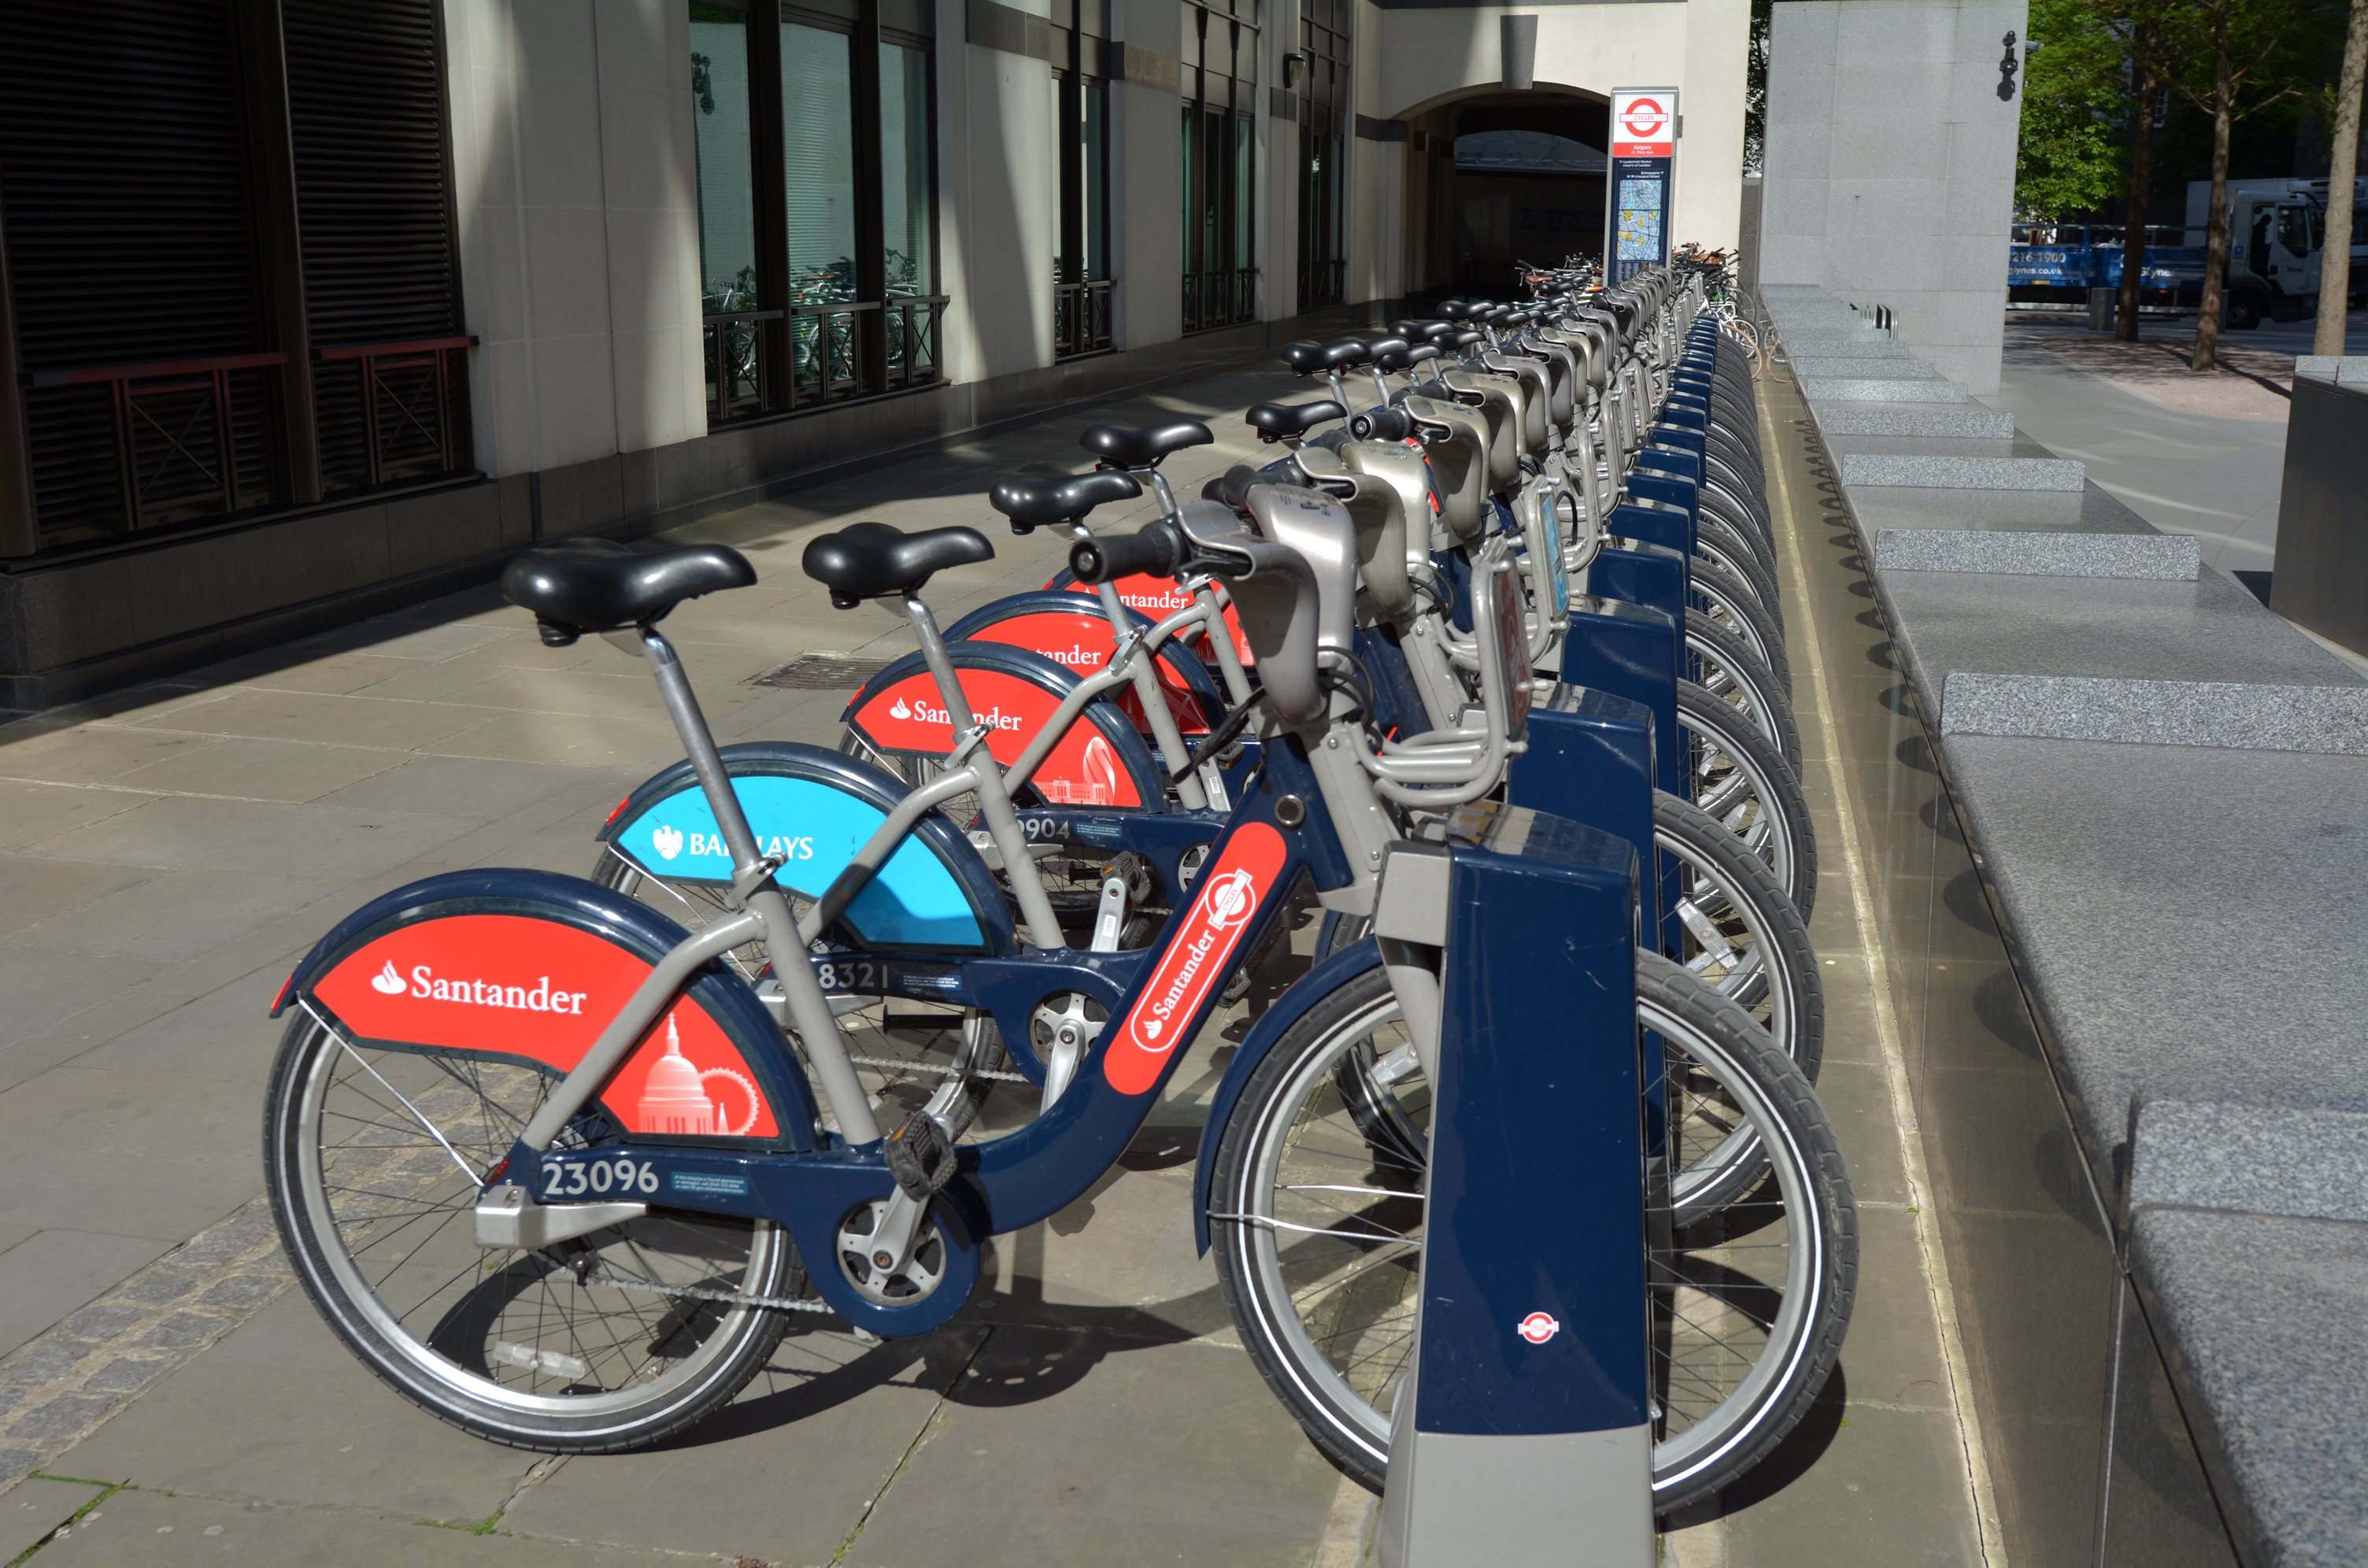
<point>2276,231</point>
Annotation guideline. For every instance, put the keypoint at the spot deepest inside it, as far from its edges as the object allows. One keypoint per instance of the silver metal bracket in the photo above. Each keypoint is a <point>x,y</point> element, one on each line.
<point>507,1217</point>
<point>749,881</point>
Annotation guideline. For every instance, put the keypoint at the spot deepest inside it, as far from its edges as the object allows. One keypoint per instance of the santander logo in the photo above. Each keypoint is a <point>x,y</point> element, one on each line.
<point>386,983</point>
<point>1198,957</point>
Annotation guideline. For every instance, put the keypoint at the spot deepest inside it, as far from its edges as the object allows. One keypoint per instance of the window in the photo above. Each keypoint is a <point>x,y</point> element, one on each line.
<point>1220,183</point>
<point>817,205</point>
<point>727,200</point>
<point>234,282</point>
<point>1081,271</point>
<point>1323,144</point>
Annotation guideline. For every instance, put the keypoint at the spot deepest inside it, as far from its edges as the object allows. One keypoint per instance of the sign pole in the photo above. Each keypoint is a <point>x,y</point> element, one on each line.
<point>1639,198</point>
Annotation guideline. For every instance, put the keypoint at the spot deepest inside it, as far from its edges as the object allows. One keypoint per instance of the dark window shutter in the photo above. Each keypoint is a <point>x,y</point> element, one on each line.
<point>124,180</point>
<point>373,196</point>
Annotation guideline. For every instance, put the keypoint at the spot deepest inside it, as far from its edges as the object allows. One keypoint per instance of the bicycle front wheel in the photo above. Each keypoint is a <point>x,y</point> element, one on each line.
<point>609,1341</point>
<point>1318,1209</point>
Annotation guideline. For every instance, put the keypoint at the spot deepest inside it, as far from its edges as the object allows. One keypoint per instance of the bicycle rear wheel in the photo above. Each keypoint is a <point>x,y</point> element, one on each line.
<point>609,1341</point>
<point>1734,773</point>
<point>1319,1211</point>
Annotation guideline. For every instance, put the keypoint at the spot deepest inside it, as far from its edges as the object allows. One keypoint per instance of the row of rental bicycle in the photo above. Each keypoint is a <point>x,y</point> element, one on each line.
<point>562,1160</point>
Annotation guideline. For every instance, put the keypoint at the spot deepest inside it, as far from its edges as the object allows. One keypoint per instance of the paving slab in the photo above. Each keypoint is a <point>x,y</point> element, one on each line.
<point>159,1529</point>
<point>148,1155</point>
<point>54,1271</point>
<point>1156,1453</point>
<point>30,811</point>
<point>34,1507</point>
<point>279,1411</point>
<point>788,1473</point>
<point>196,833</point>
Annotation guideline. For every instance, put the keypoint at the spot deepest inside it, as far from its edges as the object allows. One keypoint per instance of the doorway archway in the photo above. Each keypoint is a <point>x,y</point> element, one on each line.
<point>1504,177</point>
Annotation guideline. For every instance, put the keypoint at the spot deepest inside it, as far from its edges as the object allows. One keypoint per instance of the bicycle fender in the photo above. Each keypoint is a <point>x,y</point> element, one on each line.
<point>1102,761</point>
<point>1158,597</point>
<point>1079,636</point>
<point>527,967</point>
<point>1289,1009</point>
<point>817,808</point>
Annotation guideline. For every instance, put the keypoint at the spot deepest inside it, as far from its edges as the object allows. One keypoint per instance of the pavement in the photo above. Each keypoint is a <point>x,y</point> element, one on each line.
<point>2201,455</point>
<point>167,1396</point>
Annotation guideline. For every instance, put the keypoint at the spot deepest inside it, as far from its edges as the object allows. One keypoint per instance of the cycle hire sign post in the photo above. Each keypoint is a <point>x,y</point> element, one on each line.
<point>1644,156</point>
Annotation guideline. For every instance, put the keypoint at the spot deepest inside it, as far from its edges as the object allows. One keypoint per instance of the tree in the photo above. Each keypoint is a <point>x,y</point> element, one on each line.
<point>2227,58</point>
<point>2335,255</point>
<point>2074,90</point>
<point>2125,315</point>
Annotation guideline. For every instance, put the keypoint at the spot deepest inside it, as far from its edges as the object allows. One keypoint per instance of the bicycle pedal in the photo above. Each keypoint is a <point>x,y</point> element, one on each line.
<point>920,1157</point>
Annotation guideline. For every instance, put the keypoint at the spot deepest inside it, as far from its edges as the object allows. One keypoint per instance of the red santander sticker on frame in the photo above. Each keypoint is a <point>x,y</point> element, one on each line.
<point>1198,959</point>
<point>1643,124</point>
<point>507,985</point>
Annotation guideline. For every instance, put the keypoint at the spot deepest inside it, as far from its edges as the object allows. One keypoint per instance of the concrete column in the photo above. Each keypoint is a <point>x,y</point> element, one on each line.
<point>1146,171</point>
<point>577,195</point>
<point>1891,166</point>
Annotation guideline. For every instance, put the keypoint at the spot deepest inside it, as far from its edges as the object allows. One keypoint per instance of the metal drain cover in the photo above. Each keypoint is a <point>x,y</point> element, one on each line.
<point>821,672</point>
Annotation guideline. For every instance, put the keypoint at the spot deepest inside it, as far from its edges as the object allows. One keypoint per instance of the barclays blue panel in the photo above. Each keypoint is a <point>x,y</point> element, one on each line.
<point>817,829</point>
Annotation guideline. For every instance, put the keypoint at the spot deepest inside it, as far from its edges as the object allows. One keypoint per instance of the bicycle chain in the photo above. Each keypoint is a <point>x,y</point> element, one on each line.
<point>721,1298</point>
<point>901,1064</point>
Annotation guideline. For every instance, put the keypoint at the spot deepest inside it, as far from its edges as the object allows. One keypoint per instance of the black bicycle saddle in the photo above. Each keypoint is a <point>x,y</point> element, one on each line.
<point>1310,357</point>
<point>1144,449</point>
<point>869,561</point>
<point>1274,420</point>
<point>1030,499</point>
<point>598,585</point>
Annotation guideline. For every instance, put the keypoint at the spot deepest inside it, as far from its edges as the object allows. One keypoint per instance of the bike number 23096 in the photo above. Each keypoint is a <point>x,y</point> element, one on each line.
<point>583,1177</point>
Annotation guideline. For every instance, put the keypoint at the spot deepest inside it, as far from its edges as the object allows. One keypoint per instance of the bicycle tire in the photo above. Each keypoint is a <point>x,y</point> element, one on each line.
<point>1729,669</point>
<point>1742,933</point>
<point>1337,1376</point>
<point>1714,546</point>
<point>1737,775</point>
<point>365,1197</point>
<point>1728,596</point>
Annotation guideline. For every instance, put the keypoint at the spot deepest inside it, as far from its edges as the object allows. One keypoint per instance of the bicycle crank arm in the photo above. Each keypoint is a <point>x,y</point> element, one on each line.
<point>507,1217</point>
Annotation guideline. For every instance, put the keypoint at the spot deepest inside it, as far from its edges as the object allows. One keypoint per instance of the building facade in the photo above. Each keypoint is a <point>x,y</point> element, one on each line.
<point>314,307</point>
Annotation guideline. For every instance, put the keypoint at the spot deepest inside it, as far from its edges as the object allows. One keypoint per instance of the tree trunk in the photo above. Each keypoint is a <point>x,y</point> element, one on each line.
<point>2215,255</point>
<point>2335,257</point>
<point>2125,321</point>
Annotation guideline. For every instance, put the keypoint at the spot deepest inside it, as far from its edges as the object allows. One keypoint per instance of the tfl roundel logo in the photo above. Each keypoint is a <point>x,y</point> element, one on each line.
<point>1538,1327</point>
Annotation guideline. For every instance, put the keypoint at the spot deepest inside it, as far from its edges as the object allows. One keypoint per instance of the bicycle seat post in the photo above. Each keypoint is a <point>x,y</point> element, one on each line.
<point>809,1010</point>
<point>973,751</point>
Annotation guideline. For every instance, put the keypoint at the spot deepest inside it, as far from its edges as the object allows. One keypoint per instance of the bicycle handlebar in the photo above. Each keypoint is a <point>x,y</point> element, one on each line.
<point>1156,550</point>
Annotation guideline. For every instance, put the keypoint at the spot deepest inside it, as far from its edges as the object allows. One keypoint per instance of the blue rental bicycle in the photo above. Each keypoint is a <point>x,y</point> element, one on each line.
<point>562,1176</point>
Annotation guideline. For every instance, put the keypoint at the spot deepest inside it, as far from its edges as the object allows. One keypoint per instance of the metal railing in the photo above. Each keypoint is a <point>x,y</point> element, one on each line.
<point>1081,319</point>
<point>738,382</point>
<point>409,400</point>
<point>1323,284</point>
<point>178,433</point>
<point>1220,299</point>
<point>836,352</point>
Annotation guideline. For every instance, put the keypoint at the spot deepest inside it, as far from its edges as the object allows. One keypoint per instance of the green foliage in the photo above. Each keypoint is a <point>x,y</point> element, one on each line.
<point>2076,108</point>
